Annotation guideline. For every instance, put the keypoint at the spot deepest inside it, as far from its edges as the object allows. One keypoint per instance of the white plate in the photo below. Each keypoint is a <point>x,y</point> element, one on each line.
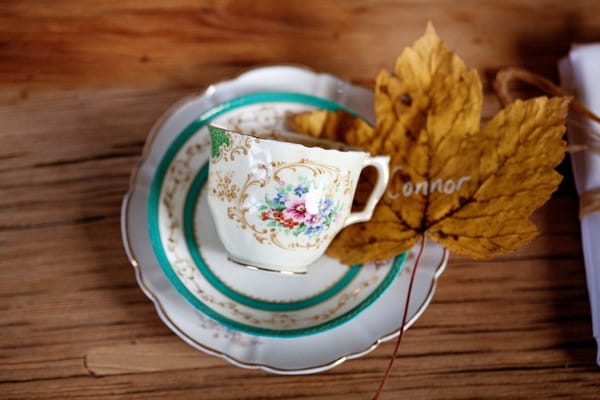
<point>256,319</point>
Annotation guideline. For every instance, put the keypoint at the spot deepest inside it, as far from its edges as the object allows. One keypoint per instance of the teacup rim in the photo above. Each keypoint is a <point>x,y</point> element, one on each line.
<point>338,147</point>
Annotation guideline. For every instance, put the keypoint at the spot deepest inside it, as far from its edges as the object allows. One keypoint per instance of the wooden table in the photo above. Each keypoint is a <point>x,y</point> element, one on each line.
<point>83,82</point>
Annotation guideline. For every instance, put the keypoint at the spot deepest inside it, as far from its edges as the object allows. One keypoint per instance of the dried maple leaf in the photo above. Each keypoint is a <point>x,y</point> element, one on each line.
<point>471,189</point>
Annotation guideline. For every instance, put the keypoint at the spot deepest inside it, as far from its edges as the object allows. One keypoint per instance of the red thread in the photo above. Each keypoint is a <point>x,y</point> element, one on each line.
<point>388,371</point>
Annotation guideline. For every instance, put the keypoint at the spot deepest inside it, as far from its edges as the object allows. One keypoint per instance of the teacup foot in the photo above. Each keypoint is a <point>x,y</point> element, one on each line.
<point>273,269</point>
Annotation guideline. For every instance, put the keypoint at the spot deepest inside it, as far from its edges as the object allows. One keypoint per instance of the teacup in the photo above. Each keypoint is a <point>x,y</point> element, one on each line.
<point>277,204</point>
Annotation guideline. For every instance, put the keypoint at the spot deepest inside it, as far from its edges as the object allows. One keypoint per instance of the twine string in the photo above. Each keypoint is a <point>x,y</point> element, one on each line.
<point>589,201</point>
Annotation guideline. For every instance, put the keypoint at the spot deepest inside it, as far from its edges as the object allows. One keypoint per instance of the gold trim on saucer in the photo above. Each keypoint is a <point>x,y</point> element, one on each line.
<point>256,268</point>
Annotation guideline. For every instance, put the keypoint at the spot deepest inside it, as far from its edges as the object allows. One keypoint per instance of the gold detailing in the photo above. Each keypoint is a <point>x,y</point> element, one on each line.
<point>347,182</point>
<point>222,188</point>
<point>271,271</point>
<point>234,337</point>
<point>238,145</point>
<point>269,118</point>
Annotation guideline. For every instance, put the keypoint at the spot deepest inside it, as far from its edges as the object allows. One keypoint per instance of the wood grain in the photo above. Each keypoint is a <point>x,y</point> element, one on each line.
<point>83,83</point>
<point>145,357</point>
<point>188,44</point>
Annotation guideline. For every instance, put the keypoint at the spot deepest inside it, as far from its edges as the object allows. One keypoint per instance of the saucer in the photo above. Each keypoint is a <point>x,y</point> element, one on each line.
<point>257,319</point>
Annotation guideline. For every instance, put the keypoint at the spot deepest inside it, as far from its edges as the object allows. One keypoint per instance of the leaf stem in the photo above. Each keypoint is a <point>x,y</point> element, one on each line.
<point>388,371</point>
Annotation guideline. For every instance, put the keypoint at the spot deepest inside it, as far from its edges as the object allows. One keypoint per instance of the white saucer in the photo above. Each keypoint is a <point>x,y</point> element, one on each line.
<point>256,319</point>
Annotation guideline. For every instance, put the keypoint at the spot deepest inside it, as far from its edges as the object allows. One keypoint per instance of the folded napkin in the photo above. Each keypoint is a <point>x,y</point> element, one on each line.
<point>580,75</point>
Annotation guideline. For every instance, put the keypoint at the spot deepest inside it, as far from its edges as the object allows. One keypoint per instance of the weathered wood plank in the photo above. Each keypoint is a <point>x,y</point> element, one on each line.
<point>189,44</point>
<point>82,85</point>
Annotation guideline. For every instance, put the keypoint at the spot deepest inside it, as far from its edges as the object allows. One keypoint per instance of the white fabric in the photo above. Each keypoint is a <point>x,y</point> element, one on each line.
<point>580,75</point>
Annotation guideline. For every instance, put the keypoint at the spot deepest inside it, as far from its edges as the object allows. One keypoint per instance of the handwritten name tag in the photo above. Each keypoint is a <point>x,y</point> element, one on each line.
<point>447,186</point>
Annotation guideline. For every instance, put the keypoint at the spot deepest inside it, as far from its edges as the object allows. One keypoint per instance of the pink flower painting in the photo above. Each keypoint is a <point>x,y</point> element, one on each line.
<point>300,209</point>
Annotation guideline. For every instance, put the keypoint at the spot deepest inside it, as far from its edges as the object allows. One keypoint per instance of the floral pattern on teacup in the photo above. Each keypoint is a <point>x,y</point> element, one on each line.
<point>281,206</point>
<point>299,209</point>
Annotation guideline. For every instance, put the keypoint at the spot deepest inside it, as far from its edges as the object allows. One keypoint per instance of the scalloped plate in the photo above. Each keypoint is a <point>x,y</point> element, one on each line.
<point>256,319</point>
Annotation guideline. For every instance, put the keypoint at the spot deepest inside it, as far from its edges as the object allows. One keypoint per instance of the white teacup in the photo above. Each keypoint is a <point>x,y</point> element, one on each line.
<point>277,205</point>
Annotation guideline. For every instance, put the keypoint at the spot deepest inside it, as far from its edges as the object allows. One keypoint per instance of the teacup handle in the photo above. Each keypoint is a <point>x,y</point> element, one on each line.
<point>381,164</point>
